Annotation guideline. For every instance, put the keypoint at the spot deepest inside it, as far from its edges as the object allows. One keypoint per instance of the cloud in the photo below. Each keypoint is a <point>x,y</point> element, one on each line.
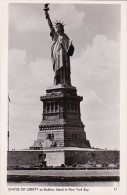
<point>26,75</point>
<point>96,74</point>
<point>97,69</point>
<point>31,17</point>
<point>27,82</point>
<point>98,65</point>
<point>62,12</point>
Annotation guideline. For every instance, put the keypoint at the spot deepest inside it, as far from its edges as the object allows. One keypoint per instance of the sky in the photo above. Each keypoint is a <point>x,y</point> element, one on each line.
<point>95,68</point>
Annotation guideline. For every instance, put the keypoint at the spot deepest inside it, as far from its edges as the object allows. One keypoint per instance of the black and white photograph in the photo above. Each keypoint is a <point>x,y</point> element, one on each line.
<point>64,127</point>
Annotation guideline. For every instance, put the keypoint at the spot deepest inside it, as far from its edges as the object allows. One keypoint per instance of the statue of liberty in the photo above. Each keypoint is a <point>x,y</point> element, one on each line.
<point>61,51</point>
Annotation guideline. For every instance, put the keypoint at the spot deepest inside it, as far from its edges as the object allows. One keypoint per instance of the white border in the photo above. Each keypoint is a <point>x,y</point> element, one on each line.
<point>122,190</point>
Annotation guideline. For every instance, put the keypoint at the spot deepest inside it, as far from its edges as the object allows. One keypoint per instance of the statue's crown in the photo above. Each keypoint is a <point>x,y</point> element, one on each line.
<point>59,23</point>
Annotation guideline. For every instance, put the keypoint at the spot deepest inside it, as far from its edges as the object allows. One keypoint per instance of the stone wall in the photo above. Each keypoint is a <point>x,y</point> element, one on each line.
<point>87,157</point>
<point>34,158</point>
<point>23,158</point>
<point>59,157</point>
<point>55,158</point>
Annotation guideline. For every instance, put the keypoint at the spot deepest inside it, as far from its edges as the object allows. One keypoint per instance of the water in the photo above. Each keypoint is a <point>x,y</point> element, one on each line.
<point>63,173</point>
<point>63,184</point>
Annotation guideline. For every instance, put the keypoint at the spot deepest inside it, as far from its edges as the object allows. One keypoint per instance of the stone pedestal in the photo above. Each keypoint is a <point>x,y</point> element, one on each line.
<point>61,124</point>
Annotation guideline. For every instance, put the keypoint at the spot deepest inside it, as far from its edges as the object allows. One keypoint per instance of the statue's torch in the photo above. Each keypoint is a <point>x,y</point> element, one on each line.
<point>46,8</point>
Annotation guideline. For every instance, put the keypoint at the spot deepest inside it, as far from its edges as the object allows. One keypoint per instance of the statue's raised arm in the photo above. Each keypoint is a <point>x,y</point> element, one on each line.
<point>46,9</point>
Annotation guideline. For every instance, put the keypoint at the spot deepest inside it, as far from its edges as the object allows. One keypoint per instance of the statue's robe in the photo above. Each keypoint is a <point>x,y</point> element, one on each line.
<point>61,51</point>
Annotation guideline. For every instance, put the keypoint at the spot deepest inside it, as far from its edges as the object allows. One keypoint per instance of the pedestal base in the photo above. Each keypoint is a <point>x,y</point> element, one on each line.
<point>61,124</point>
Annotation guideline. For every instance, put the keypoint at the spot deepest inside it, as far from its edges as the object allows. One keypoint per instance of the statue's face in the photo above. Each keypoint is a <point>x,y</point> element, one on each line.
<point>59,28</point>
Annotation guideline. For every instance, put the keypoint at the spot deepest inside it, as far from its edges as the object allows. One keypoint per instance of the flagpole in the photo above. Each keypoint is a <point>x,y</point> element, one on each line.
<point>8,134</point>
